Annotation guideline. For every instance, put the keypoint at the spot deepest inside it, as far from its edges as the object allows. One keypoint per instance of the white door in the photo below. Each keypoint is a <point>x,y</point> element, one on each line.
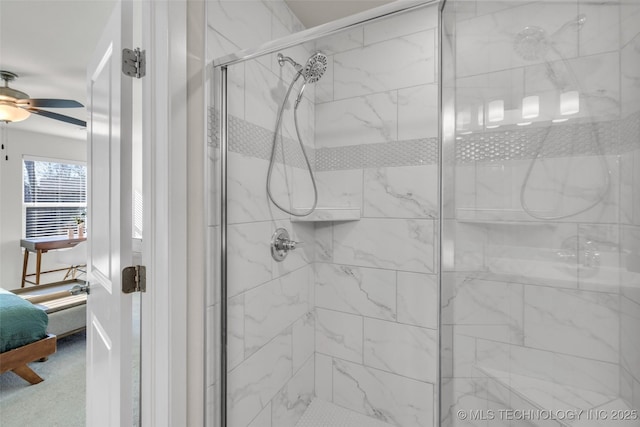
<point>109,378</point>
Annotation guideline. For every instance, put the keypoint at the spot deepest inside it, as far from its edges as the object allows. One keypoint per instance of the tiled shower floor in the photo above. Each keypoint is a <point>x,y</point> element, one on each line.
<point>325,414</point>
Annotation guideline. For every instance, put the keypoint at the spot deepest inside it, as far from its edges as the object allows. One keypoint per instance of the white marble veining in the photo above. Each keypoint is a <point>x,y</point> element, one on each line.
<point>263,95</point>
<point>294,398</point>
<point>342,41</point>
<point>599,271</point>
<point>218,45</point>
<point>246,194</point>
<point>463,354</point>
<point>366,291</point>
<point>339,188</point>
<point>629,337</point>
<point>627,193</point>
<point>325,414</point>
<point>541,253</point>
<point>263,419</point>
<point>235,90</point>
<point>551,395</point>
<point>324,377</point>
<point>401,192</point>
<point>599,33</point>
<point>394,399</point>
<point>339,334</point>
<point>446,351</point>
<point>405,350</point>
<point>630,274</point>
<point>281,12</point>
<point>486,43</point>
<point>418,112</point>
<point>481,302</point>
<point>272,307</point>
<point>303,340</point>
<point>578,372</point>
<point>323,242</point>
<point>636,194</point>
<point>408,61</point>
<point>401,25</point>
<point>636,394</point>
<point>249,256</point>
<point>626,386</point>
<point>630,63</point>
<point>386,243</point>
<point>599,84</point>
<point>235,331</point>
<point>255,382</point>
<point>360,120</point>
<point>245,23</point>
<point>629,15</point>
<point>579,323</point>
<point>418,299</point>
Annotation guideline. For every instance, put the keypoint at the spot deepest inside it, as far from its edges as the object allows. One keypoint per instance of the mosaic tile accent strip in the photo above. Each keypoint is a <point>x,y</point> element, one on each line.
<point>413,152</point>
<point>562,140</point>
<point>321,413</point>
<point>256,141</point>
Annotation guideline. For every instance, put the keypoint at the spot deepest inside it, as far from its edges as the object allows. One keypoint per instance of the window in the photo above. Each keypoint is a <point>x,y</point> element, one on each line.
<point>54,194</point>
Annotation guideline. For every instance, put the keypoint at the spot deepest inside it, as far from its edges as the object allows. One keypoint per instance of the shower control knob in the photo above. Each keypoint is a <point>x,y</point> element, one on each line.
<point>281,244</point>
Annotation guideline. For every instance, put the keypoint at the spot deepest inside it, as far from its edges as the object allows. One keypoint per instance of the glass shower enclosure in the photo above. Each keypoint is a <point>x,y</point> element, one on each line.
<point>540,294</point>
<point>473,252</point>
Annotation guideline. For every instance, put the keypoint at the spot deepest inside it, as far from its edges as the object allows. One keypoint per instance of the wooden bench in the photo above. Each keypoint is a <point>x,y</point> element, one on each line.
<point>67,312</point>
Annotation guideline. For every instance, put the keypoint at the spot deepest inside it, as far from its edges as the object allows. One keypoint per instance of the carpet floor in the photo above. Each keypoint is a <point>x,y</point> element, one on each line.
<point>57,401</point>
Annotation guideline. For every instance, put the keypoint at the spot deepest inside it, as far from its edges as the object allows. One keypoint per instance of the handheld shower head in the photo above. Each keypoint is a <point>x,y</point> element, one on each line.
<point>533,43</point>
<point>315,67</point>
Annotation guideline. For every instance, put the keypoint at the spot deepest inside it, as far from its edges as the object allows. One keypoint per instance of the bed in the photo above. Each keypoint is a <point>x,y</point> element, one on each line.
<point>23,336</point>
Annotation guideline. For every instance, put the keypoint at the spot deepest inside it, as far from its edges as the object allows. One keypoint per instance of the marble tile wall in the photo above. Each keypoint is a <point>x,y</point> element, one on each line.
<point>550,300</point>
<point>270,307</point>
<point>376,338</point>
<point>630,213</point>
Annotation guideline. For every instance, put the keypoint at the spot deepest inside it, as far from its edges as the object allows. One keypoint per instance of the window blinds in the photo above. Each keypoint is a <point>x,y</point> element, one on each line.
<point>53,195</point>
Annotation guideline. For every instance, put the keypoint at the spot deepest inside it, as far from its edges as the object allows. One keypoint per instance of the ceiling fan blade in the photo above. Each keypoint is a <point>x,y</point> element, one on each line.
<point>49,103</point>
<point>57,116</point>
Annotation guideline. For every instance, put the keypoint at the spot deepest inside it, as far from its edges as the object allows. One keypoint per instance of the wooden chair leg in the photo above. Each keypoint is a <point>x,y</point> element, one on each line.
<point>25,264</point>
<point>28,374</point>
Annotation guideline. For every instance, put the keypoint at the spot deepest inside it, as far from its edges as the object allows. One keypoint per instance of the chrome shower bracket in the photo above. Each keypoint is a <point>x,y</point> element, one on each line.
<point>281,244</point>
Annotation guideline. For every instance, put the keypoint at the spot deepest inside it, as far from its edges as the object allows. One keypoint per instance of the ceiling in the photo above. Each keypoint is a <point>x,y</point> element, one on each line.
<point>316,12</point>
<point>49,42</point>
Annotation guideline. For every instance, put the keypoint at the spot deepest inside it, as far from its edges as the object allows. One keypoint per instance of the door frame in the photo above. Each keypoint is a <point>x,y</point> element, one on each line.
<point>172,324</point>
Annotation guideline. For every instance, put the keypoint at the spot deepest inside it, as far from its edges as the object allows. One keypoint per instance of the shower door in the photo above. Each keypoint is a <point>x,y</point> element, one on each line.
<point>344,329</point>
<point>540,303</point>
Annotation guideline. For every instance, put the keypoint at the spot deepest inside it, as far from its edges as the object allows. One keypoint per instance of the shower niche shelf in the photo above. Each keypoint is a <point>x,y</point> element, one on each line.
<point>329,214</point>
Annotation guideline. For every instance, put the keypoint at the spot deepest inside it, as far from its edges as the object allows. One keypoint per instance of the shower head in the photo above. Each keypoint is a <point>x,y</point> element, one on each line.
<point>315,67</point>
<point>533,43</point>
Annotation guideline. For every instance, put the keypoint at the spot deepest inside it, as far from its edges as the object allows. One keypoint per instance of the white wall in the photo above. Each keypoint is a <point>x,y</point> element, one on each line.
<point>19,144</point>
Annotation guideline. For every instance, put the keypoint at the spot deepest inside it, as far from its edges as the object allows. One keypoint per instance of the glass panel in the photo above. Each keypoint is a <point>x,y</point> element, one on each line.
<point>346,325</point>
<point>541,234</point>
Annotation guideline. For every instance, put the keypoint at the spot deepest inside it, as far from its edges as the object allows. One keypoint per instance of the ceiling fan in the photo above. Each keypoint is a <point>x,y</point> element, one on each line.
<point>16,105</point>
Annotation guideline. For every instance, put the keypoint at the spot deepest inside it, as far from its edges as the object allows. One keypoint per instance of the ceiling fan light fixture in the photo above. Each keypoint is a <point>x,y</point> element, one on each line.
<point>10,113</point>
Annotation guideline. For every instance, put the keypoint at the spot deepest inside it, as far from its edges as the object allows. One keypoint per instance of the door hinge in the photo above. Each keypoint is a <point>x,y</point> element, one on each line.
<point>134,279</point>
<point>134,62</point>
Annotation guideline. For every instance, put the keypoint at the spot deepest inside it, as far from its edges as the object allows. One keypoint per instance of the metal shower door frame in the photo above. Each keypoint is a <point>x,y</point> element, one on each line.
<point>222,64</point>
